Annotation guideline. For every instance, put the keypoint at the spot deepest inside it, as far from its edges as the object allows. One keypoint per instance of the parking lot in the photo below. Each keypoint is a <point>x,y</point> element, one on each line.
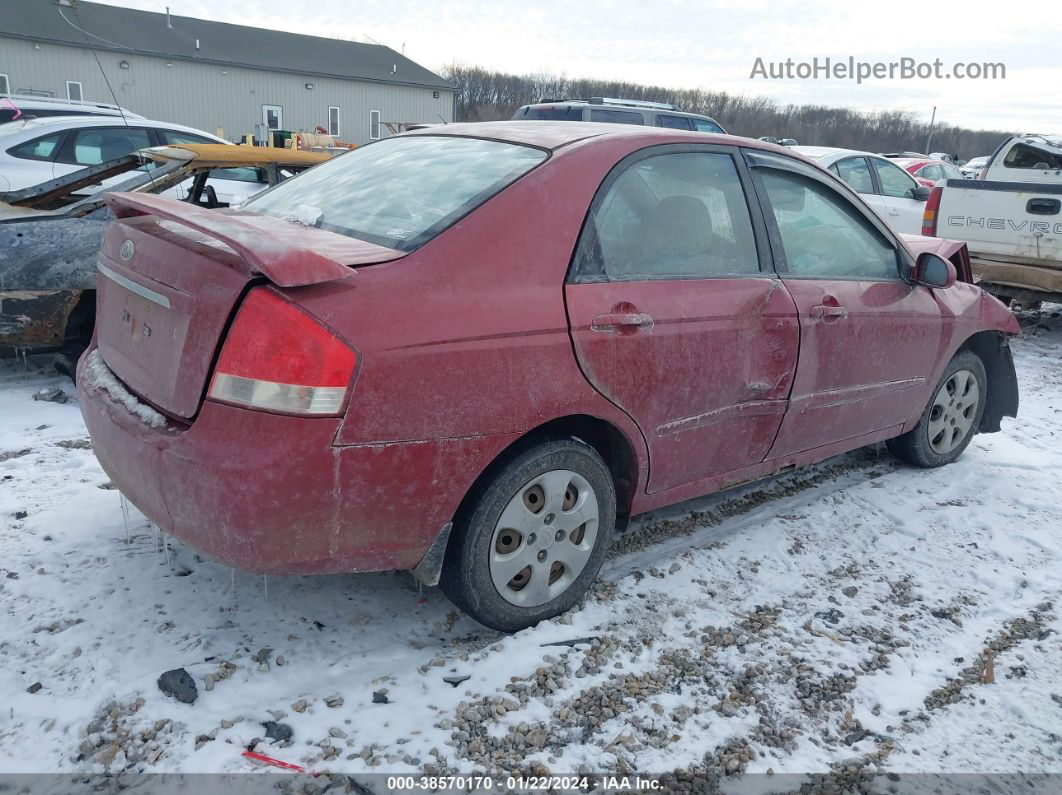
<point>854,617</point>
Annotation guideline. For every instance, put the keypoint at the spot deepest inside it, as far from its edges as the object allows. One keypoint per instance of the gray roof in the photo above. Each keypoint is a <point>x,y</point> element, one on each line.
<point>145,33</point>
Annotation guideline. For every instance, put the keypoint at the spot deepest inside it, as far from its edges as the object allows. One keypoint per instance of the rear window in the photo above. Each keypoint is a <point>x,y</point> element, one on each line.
<point>707,125</point>
<point>400,192</point>
<point>37,149</point>
<point>673,122</point>
<point>616,116</point>
<point>550,113</point>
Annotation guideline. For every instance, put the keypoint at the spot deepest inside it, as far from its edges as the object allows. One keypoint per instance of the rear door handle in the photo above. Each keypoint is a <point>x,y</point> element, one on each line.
<point>825,310</point>
<point>613,321</point>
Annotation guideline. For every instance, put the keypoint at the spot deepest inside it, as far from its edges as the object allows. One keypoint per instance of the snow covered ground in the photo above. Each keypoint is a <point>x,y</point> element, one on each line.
<point>853,618</point>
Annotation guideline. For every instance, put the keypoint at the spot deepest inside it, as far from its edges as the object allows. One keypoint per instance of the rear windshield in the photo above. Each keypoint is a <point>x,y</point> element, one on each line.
<point>550,113</point>
<point>400,192</point>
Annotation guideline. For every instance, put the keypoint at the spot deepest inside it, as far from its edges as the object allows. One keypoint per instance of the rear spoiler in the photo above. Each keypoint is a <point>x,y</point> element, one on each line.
<point>282,262</point>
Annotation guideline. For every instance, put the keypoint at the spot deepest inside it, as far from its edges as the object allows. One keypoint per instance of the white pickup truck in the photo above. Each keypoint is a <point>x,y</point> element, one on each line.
<point>1010,218</point>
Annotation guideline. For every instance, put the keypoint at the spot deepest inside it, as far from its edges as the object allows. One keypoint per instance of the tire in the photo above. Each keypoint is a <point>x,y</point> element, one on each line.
<point>66,360</point>
<point>951,419</point>
<point>551,507</point>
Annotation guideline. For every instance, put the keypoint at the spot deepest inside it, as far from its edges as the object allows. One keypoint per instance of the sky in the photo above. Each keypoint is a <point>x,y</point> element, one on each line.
<point>714,45</point>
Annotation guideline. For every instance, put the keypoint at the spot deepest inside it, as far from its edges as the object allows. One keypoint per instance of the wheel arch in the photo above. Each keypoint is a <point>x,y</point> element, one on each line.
<point>992,348</point>
<point>611,443</point>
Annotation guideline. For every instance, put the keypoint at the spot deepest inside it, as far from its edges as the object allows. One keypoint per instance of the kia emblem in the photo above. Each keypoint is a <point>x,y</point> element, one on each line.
<point>126,251</point>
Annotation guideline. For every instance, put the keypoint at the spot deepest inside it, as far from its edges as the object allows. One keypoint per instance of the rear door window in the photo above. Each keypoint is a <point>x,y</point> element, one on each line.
<point>551,113</point>
<point>616,116</point>
<point>92,146</point>
<point>855,172</point>
<point>669,216</point>
<point>402,191</point>
<point>673,122</point>
<point>932,171</point>
<point>43,148</point>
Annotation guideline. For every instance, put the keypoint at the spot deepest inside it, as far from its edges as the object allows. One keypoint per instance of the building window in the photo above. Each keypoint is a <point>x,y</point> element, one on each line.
<point>374,124</point>
<point>73,90</point>
<point>4,87</point>
<point>273,116</point>
<point>333,120</point>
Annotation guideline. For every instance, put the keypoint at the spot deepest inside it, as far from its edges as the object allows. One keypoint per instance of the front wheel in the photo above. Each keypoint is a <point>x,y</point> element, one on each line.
<point>952,417</point>
<point>533,537</point>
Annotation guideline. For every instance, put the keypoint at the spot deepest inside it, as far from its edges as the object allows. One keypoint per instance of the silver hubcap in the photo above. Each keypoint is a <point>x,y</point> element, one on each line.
<point>953,412</point>
<point>544,538</point>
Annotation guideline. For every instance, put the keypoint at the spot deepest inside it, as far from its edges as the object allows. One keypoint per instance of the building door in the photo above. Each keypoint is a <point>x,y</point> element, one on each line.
<point>273,117</point>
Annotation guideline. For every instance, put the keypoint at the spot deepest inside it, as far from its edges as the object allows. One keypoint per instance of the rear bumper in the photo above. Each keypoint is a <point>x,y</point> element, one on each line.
<point>271,494</point>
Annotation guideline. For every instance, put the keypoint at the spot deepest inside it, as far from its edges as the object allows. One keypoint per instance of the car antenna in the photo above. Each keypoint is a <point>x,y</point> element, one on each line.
<point>81,29</point>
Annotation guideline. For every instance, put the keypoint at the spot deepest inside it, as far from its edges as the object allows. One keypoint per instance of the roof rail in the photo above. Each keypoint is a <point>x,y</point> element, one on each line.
<point>632,103</point>
<point>61,101</point>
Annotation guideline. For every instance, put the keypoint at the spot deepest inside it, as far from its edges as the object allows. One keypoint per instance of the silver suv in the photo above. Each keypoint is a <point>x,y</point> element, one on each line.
<point>619,111</point>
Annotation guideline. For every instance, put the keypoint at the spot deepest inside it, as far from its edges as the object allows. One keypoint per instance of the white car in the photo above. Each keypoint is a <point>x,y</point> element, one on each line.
<point>972,167</point>
<point>38,150</point>
<point>889,190</point>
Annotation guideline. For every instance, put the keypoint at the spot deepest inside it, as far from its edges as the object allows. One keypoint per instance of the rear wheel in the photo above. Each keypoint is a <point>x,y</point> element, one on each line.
<point>952,417</point>
<point>533,537</point>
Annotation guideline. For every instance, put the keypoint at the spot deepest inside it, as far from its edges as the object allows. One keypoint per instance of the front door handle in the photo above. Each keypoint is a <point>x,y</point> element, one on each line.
<point>616,321</point>
<point>828,311</point>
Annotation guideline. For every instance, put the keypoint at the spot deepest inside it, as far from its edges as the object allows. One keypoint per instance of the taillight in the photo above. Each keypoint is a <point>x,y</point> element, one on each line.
<point>278,358</point>
<point>929,216</point>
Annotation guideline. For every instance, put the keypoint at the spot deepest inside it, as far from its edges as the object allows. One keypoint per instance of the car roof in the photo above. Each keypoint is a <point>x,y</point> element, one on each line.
<point>824,152</point>
<point>45,123</point>
<point>555,134</point>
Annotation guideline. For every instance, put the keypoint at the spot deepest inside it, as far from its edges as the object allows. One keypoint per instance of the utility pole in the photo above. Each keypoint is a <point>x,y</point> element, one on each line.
<point>932,121</point>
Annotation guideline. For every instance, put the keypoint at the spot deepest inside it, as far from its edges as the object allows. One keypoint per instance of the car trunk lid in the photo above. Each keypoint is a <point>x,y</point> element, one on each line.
<point>171,274</point>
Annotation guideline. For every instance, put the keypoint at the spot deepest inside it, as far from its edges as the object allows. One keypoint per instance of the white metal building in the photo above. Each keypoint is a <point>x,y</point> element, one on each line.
<point>212,75</point>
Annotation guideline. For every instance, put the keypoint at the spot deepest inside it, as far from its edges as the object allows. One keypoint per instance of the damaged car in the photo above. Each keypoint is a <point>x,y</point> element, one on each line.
<point>479,349</point>
<point>50,234</point>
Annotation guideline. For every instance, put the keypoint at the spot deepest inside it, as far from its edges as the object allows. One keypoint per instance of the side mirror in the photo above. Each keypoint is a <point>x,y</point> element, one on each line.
<point>921,193</point>
<point>932,270</point>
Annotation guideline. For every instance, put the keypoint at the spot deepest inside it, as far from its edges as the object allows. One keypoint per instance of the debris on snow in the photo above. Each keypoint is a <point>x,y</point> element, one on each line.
<point>53,395</point>
<point>277,731</point>
<point>179,684</point>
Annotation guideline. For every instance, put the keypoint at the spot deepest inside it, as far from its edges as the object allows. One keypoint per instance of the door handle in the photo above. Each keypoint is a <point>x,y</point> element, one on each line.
<point>614,321</point>
<point>1043,206</point>
<point>826,311</point>
<point>893,211</point>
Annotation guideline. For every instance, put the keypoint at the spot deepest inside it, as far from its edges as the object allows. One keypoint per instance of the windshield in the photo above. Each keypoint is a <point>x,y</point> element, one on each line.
<point>400,192</point>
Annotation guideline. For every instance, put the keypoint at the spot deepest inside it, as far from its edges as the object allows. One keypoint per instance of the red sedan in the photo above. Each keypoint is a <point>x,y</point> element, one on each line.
<point>474,351</point>
<point>928,172</point>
